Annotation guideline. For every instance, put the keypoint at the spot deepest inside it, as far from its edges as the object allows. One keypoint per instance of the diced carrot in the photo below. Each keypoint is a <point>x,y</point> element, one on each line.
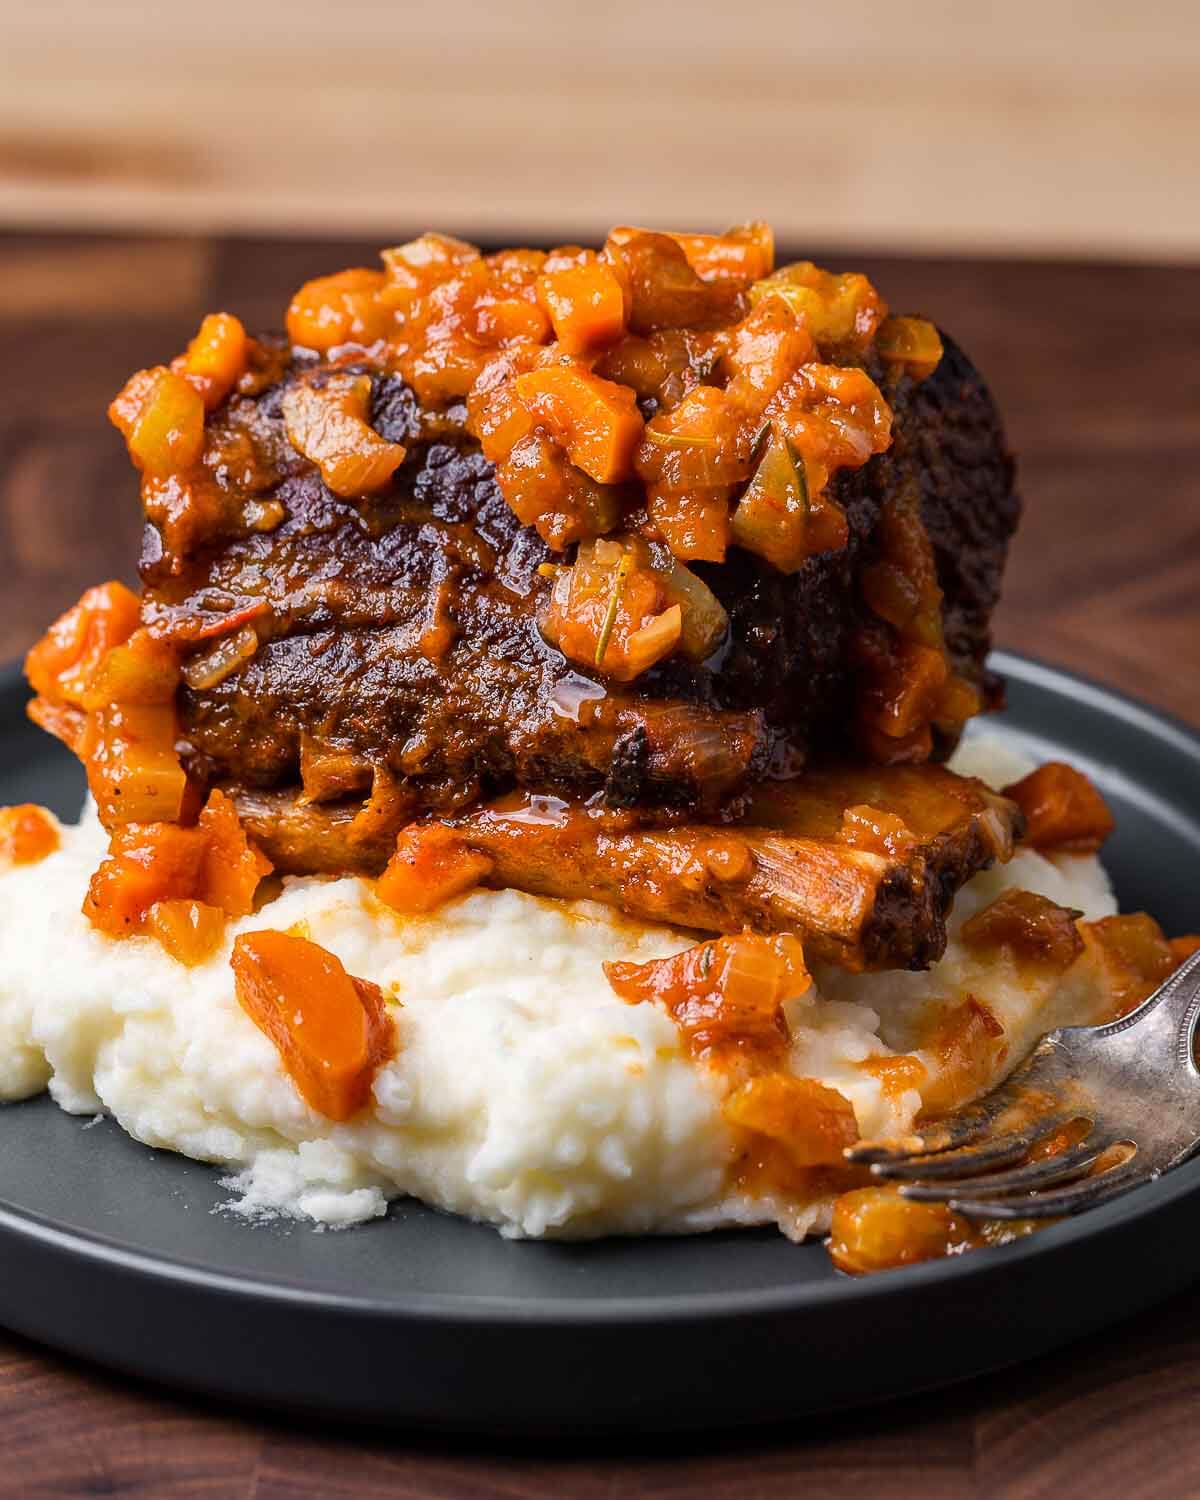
<point>665,290</point>
<point>879,832</point>
<point>142,670</point>
<point>596,421</point>
<point>875,1229</point>
<point>216,358</point>
<point>431,865</point>
<point>545,491</point>
<point>959,701</point>
<point>146,863</point>
<point>586,305</point>
<point>213,863</point>
<point>694,524</point>
<point>346,308</point>
<point>415,268</point>
<point>1064,811</point>
<point>27,834</point>
<point>913,692</point>
<point>498,418</point>
<point>133,770</point>
<point>837,308</point>
<point>233,865</point>
<point>330,426</point>
<point>126,406</point>
<point>1182,948</point>
<point>1031,927</point>
<point>724,995</point>
<point>1134,958</point>
<point>913,343</point>
<point>62,667</point>
<point>968,1044</point>
<point>162,418</point>
<point>446,340</point>
<point>902,587</point>
<point>516,269</point>
<point>834,416</point>
<point>95,658</point>
<point>332,1030</point>
<point>190,931</point>
<point>768,346</point>
<point>744,253</point>
<point>499,319</point>
<point>814,1124</point>
<point>691,460</point>
<point>696,444</point>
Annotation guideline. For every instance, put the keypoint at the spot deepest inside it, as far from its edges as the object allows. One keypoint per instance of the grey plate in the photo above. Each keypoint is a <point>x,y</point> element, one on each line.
<point>113,1251</point>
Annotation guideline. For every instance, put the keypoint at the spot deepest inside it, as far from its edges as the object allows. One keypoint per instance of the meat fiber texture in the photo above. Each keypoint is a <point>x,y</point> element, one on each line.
<point>345,666</point>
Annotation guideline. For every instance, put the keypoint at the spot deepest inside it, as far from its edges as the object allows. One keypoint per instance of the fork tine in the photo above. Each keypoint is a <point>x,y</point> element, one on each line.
<point>1036,1174</point>
<point>965,1125</point>
<point>1088,1193</point>
<point>942,1135</point>
<point>970,1161</point>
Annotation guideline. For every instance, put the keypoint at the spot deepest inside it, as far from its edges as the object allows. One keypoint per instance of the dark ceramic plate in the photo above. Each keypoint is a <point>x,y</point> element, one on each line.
<point>113,1251</point>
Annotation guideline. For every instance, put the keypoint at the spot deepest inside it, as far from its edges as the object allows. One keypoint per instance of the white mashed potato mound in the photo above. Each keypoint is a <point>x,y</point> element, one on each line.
<point>523,1091</point>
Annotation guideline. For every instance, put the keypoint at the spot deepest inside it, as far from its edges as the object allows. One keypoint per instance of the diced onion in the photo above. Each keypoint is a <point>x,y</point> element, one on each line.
<point>328,425</point>
<point>771,519</point>
<point>213,666</point>
<point>705,622</point>
<point>655,640</point>
<point>912,342</point>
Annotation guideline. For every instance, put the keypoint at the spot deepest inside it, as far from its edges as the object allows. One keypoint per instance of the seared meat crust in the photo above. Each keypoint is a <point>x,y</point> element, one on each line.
<point>402,633</point>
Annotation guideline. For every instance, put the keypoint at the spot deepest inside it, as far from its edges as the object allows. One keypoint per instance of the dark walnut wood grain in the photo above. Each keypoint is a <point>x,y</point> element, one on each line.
<point>1095,369</point>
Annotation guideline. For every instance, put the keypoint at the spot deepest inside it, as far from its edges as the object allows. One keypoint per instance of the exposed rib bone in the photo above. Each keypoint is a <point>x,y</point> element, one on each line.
<point>860,908</point>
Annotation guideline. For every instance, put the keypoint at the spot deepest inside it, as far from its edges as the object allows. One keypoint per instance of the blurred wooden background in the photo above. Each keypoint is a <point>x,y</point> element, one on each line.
<point>1037,126</point>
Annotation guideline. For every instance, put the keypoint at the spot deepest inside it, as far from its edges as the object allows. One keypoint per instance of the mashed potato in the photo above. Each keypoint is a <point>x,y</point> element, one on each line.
<point>523,1092</point>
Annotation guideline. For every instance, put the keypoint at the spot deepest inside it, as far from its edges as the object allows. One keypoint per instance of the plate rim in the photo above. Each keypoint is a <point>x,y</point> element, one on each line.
<point>585,1312</point>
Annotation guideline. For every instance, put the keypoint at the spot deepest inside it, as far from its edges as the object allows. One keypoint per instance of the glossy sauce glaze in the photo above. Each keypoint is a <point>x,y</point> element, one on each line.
<point>673,427</point>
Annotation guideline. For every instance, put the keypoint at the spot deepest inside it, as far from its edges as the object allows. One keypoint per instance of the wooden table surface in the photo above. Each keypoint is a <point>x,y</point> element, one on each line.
<point>1096,368</point>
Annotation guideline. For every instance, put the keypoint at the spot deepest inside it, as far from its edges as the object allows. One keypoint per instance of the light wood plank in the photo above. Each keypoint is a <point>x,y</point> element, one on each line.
<point>1029,127</point>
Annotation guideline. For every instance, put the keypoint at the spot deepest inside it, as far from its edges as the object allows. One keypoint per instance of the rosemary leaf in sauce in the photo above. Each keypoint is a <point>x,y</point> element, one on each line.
<point>614,603</point>
<point>682,439</point>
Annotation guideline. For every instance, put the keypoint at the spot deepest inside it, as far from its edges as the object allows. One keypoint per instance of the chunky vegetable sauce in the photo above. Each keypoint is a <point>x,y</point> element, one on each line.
<point>653,403</point>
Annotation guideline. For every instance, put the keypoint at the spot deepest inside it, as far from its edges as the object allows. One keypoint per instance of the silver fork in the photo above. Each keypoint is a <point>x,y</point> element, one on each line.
<point>1135,1080</point>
